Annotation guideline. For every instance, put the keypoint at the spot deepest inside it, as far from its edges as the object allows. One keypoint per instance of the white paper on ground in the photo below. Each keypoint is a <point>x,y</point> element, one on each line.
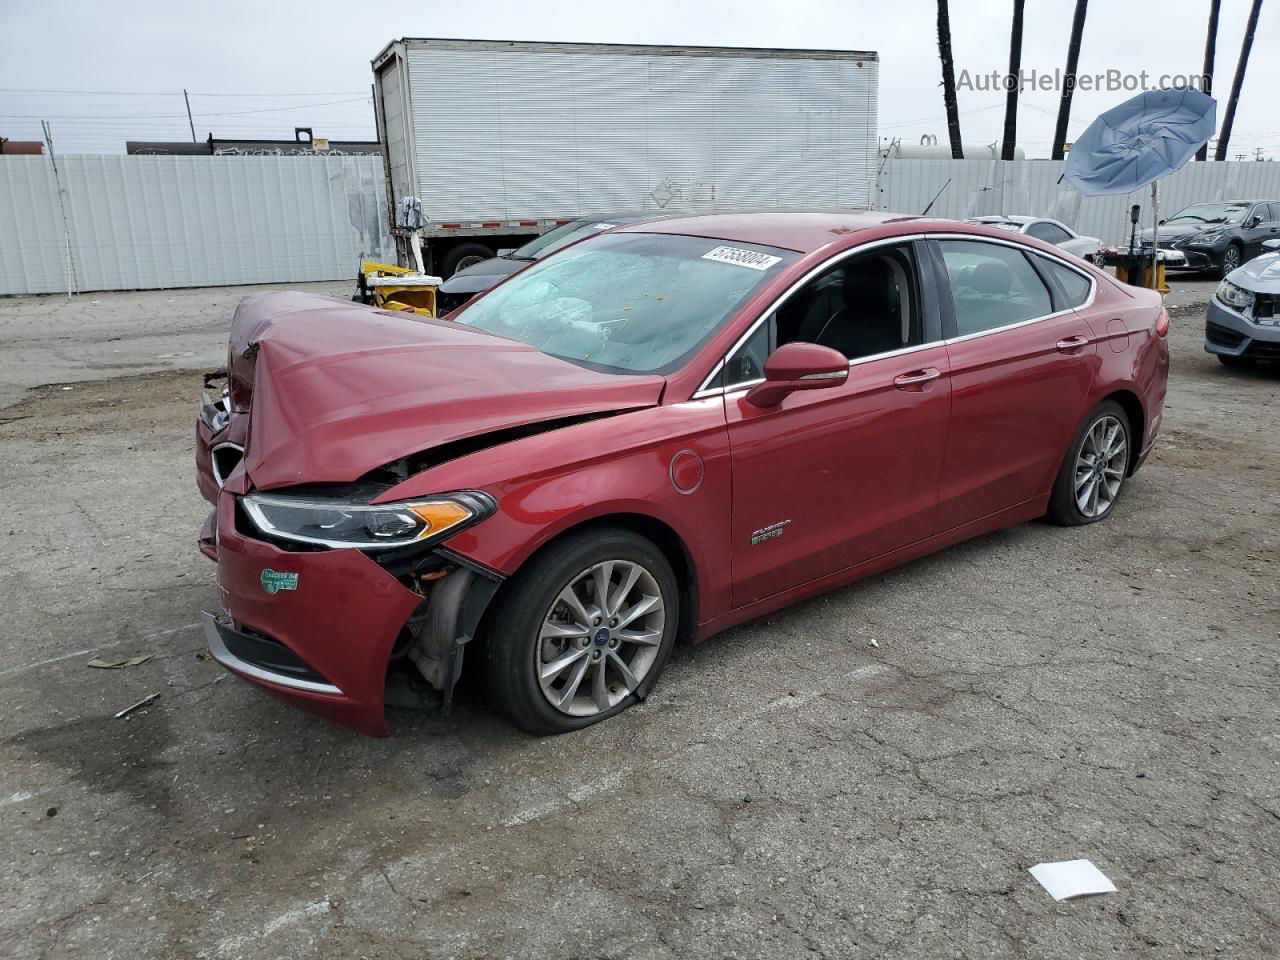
<point>1071,878</point>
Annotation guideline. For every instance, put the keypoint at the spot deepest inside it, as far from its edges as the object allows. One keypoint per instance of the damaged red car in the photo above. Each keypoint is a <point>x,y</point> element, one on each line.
<point>652,435</point>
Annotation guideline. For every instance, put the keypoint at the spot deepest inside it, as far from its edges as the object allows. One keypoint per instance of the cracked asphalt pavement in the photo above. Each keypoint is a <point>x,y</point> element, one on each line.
<point>790,789</point>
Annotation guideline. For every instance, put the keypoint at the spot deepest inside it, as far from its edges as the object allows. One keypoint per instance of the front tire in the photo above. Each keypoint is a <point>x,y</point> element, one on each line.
<point>582,633</point>
<point>1094,470</point>
<point>1231,258</point>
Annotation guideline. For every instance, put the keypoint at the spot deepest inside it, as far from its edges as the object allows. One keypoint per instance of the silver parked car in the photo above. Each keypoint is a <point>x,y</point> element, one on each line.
<point>1050,231</point>
<point>1243,325</point>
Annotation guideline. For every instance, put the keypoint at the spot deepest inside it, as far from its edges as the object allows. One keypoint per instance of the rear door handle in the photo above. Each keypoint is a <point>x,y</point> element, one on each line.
<point>1068,344</point>
<point>916,378</point>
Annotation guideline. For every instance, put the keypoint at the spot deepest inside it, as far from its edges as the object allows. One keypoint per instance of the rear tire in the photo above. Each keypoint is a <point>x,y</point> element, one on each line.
<point>1093,472</point>
<point>611,654</point>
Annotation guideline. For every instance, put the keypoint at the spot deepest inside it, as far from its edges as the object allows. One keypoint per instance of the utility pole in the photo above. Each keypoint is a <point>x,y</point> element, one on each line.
<point>1014,80</point>
<point>69,263</point>
<point>1250,29</point>
<point>189,120</point>
<point>1210,48</point>
<point>1069,80</point>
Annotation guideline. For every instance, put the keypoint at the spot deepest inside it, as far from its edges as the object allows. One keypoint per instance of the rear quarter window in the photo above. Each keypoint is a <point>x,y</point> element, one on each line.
<point>1073,286</point>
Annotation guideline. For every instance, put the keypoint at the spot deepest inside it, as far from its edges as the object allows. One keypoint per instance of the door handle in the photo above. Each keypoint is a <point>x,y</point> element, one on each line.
<point>916,378</point>
<point>1068,344</point>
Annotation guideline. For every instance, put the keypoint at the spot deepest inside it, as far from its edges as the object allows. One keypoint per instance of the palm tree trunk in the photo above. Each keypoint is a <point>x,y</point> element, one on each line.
<point>1069,79</point>
<point>1224,138</point>
<point>949,80</point>
<point>1013,81</point>
<point>1210,48</point>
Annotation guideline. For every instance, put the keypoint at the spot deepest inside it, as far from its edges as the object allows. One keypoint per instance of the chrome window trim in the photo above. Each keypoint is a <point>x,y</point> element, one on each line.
<point>218,650</point>
<point>708,391</point>
<point>218,478</point>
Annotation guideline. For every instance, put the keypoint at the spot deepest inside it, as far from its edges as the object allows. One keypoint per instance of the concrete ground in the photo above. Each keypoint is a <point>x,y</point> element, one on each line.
<point>869,774</point>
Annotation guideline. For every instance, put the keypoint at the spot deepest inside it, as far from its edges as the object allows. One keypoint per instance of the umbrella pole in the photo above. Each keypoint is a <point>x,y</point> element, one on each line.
<point>1155,234</point>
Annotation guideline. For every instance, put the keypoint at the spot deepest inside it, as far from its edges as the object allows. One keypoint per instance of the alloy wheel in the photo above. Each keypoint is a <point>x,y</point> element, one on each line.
<point>467,262</point>
<point>1100,466</point>
<point>1230,260</point>
<point>600,638</point>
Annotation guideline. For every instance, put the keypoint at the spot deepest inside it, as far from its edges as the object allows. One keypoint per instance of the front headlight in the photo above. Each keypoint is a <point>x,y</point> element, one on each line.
<point>1234,296</point>
<point>341,524</point>
<point>1212,236</point>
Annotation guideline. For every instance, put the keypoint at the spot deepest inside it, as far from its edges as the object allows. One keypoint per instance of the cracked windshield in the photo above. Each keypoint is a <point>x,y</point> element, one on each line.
<point>628,302</point>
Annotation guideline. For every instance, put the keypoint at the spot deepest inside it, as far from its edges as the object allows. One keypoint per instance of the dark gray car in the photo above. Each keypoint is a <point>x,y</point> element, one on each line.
<point>478,277</point>
<point>1222,235</point>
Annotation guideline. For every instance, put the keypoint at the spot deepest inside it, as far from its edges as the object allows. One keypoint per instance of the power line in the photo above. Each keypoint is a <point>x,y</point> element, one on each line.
<point>172,93</point>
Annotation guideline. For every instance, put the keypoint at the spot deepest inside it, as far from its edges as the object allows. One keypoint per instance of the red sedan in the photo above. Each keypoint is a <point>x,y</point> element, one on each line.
<point>657,433</point>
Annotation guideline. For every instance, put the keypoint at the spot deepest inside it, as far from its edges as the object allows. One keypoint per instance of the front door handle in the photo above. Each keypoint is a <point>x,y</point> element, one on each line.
<point>916,378</point>
<point>1070,344</point>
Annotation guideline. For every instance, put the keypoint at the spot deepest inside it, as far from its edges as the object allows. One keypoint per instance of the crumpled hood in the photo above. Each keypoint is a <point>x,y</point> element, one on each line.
<point>341,389</point>
<point>1259,275</point>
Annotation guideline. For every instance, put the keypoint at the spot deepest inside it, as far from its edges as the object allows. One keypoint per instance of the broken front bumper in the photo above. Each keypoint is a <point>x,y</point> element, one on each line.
<point>336,611</point>
<point>318,627</point>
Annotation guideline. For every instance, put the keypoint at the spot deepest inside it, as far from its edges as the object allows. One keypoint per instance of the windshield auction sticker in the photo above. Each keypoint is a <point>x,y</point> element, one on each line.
<point>741,258</point>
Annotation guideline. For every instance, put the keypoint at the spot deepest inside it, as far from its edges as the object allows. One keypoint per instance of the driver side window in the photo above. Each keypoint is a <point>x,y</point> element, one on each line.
<point>863,306</point>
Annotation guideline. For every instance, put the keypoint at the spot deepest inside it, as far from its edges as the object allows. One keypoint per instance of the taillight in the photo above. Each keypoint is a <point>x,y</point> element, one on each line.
<point>1162,323</point>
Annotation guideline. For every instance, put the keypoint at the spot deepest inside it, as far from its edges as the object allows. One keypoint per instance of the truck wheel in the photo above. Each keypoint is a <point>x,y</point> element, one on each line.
<point>582,632</point>
<point>462,256</point>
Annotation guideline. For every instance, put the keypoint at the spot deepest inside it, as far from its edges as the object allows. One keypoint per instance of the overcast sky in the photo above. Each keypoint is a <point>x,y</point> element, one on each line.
<point>257,69</point>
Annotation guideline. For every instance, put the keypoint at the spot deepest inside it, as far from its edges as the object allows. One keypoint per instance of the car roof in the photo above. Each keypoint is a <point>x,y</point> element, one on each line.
<point>803,231</point>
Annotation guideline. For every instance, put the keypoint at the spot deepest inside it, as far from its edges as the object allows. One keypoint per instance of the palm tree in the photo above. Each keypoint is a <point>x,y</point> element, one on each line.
<point>949,80</point>
<point>1238,81</point>
<point>1013,82</point>
<point>1069,80</point>
<point>1210,48</point>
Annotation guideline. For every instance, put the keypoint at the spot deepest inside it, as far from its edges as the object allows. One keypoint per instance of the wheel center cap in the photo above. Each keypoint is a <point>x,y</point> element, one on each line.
<point>601,636</point>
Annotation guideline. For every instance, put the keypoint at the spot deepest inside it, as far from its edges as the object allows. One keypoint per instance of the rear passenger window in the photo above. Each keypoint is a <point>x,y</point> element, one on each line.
<point>1075,287</point>
<point>992,286</point>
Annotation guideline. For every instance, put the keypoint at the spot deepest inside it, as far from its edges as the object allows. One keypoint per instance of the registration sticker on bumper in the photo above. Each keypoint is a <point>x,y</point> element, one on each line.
<point>274,581</point>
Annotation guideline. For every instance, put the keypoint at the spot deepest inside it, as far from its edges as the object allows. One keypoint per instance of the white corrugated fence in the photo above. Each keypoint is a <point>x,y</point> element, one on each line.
<point>147,222</point>
<point>1035,188</point>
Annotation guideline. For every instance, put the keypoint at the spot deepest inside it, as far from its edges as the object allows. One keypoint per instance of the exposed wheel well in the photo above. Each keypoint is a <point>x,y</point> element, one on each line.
<point>666,540</point>
<point>1132,408</point>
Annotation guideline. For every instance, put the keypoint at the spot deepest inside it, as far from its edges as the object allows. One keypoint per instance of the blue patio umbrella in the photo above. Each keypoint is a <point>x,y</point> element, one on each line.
<point>1140,141</point>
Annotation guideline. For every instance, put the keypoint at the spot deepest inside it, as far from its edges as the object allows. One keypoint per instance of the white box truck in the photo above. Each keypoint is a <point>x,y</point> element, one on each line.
<point>487,143</point>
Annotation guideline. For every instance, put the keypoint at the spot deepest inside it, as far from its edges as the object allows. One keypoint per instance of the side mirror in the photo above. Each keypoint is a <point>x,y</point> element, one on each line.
<point>798,366</point>
<point>1252,222</point>
<point>1272,245</point>
<point>1162,220</point>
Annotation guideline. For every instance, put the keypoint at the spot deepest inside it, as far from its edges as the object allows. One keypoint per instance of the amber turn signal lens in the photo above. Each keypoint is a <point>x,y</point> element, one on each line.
<point>439,515</point>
